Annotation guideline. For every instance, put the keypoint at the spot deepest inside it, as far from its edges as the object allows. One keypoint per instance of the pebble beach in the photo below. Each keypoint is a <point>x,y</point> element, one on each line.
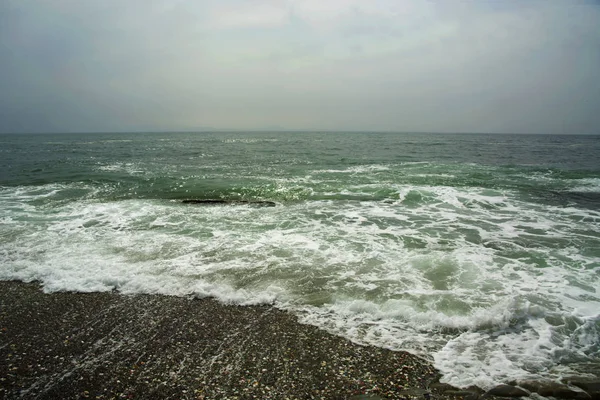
<point>106,345</point>
<point>109,346</point>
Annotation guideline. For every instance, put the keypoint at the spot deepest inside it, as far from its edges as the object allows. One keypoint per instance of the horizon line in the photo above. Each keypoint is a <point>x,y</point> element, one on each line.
<point>231,130</point>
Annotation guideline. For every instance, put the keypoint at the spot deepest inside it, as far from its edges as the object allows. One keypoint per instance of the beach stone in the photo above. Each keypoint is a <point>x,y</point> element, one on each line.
<point>554,389</point>
<point>507,391</point>
<point>533,385</point>
<point>568,393</point>
<point>591,387</point>
<point>366,397</point>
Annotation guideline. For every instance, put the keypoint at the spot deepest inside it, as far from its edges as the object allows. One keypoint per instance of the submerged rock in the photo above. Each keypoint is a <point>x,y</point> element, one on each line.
<point>258,203</point>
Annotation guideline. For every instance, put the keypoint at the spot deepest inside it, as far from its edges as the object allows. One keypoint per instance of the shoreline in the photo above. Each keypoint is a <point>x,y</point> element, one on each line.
<point>109,345</point>
<point>106,345</point>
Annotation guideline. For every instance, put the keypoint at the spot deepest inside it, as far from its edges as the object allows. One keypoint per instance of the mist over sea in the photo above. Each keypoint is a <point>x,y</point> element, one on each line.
<point>478,252</point>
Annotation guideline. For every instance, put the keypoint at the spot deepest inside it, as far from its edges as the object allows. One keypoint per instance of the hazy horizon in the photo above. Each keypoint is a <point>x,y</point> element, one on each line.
<point>299,131</point>
<point>290,65</point>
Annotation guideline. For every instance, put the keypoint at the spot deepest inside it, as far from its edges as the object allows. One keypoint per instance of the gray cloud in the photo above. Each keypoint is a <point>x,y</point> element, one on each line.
<point>512,66</point>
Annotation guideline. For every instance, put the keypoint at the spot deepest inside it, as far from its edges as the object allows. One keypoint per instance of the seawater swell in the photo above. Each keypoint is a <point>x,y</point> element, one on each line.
<point>363,183</point>
<point>489,268</point>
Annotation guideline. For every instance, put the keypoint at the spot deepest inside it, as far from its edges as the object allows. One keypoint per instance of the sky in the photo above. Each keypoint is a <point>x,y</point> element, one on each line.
<point>510,66</point>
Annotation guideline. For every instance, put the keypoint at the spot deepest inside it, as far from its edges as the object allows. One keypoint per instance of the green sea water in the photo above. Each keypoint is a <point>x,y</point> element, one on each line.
<point>479,252</point>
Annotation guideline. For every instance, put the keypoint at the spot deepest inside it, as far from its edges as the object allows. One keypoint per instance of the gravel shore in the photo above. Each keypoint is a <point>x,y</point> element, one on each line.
<point>108,345</point>
<point>115,346</point>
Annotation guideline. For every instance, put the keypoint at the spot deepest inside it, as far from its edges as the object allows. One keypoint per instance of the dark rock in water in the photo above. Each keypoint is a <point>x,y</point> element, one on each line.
<point>258,203</point>
<point>475,389</point>
<point>554,389</point>
<point>507,391</point>
<point>531,385</point>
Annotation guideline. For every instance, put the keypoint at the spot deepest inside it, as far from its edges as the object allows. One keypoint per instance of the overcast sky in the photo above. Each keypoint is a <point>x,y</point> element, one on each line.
<point>390,65</point>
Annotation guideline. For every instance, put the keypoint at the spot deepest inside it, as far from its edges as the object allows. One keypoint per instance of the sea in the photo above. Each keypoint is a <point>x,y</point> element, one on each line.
<point>478,252</point>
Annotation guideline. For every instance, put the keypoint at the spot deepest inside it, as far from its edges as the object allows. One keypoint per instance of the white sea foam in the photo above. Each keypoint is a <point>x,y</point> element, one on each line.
<point>249,140</point>
<point>130,168</point>
<point>357,169</point>
<point>589,185</point>
<point>490,287</point>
